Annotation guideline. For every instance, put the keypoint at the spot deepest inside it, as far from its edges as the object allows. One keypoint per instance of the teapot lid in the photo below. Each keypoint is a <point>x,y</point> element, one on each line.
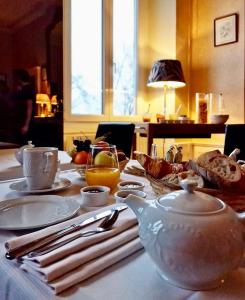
<point>29,145</point>
<point>189,201</point>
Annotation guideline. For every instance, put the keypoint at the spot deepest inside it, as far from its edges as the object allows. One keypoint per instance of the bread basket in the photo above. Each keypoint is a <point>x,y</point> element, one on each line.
<point>160,187</point>
<point>123,163</point>
<point>234,200</point>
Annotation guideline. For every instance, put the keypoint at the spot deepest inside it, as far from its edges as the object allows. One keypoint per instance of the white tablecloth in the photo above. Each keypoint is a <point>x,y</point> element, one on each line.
<point>134,278</point>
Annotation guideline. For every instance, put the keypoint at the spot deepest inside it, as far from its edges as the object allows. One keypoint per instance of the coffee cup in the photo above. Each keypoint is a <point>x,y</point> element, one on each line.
<point>40,167</point>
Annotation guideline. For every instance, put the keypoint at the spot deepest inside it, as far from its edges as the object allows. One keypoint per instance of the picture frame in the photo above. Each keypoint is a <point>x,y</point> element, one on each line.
<point>226,30</point>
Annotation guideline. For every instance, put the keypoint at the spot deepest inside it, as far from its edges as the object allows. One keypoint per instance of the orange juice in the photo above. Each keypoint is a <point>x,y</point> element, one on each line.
<point>102,176</point>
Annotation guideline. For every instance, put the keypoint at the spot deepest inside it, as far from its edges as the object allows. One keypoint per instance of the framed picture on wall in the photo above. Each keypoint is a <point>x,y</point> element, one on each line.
<point>226,30</point>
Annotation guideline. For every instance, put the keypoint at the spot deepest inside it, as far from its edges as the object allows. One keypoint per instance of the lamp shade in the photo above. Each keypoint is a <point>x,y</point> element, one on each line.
<point>166,72</point>
<point>54,100</point>
<point>42,99</point>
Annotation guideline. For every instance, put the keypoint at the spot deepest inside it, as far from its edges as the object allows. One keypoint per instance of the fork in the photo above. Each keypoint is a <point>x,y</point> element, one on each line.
<point>105,225</point>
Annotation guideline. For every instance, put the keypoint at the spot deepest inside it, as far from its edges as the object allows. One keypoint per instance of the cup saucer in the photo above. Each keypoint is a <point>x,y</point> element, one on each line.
<point>21,187</point>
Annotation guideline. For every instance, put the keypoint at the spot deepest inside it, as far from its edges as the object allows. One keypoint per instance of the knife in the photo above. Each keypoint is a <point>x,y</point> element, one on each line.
<point>28,247</point>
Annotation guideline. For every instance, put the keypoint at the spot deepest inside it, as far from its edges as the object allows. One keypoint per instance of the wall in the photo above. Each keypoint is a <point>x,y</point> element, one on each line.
<point>209,68</point>
<point>222,70</point>
<point>34,40</point>
<point>5,52</point>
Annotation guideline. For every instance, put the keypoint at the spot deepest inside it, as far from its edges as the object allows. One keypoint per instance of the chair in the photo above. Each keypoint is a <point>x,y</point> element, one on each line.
<point>119,134</point>
<point>234,138</point>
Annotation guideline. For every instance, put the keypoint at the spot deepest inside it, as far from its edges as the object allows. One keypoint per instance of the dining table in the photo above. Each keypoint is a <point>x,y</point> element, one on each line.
<point>174,130</point>
<point>132,278</point>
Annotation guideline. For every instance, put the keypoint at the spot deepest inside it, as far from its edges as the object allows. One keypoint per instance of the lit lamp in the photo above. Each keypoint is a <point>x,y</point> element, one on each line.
<point>42,99</point>
<point>166,73</point>
<point>54,100</point>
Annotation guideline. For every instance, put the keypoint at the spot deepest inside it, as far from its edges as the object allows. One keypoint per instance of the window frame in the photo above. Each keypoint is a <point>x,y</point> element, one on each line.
<point>107,97</point>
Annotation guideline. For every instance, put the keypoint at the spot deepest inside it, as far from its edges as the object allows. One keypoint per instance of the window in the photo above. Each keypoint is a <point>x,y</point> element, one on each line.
<point>124,57</point>
<point>103,57</point>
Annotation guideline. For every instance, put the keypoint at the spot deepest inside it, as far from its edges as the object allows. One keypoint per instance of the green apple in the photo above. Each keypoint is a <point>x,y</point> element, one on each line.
<point>105,158</point>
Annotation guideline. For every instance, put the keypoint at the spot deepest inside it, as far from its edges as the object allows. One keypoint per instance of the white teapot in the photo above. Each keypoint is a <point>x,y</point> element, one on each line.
<point>19,152</point>
<point>194,239</point>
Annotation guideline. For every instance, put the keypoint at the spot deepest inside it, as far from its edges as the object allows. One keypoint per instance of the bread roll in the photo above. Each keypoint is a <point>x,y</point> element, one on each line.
<point>220,170</point>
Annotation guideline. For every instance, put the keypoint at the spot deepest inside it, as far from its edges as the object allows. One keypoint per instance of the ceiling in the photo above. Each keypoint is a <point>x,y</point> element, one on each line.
<point>17,13</point>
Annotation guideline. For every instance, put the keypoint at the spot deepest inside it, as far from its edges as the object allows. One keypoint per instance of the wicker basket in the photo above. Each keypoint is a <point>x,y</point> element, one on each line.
<point>236,201</point>
<point>160,187</point>
<point>122,164</point>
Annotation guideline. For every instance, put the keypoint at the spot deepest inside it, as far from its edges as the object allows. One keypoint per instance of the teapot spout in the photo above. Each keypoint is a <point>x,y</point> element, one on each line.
<point>137,204</point>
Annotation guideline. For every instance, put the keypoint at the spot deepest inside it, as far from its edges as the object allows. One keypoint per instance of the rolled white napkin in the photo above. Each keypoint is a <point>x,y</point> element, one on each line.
<point>85,256</point>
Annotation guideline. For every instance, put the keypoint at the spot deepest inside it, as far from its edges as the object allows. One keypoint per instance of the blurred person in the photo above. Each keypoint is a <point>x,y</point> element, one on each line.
<point>6,114</point>
<point>24,98</point>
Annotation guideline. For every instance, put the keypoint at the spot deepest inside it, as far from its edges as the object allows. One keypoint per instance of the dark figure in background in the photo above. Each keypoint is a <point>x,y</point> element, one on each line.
<point>7,129</point>
<point>24,97</point>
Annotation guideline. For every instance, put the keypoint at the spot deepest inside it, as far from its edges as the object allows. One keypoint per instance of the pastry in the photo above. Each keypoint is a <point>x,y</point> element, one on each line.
<point>157,168</point>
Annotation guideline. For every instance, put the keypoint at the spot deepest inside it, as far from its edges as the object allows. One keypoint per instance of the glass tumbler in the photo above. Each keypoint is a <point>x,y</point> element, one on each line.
<point>202,103</point>
<point>102,166</point>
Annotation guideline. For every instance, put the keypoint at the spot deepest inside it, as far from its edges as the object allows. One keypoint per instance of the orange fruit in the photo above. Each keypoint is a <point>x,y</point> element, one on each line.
<point>80,157</point>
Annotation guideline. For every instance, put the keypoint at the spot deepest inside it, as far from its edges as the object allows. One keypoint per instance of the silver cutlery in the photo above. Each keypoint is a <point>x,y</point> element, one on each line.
<point>105,225</point>
<point>33,245</point>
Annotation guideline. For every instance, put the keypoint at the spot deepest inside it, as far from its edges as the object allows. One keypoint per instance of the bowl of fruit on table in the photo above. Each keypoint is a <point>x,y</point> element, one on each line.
<point>79,154</point>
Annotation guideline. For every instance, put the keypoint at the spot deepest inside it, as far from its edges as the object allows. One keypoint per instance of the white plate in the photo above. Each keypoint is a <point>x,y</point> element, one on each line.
<point>31,212</point>
<point>21,187</point>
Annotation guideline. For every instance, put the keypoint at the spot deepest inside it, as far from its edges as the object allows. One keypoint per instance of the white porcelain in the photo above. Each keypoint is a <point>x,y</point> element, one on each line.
<point>91,199</point>
<point>21,187</point>
<point>31,212</point>
<point>194,239</point>
<point>19,152</point>
<point>40,166</point>
<point>131,185</point>
<point>120,195</point>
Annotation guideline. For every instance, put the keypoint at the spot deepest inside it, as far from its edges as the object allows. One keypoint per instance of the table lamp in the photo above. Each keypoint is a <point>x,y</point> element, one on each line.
<point>42,99</point>
<point>166,73</point>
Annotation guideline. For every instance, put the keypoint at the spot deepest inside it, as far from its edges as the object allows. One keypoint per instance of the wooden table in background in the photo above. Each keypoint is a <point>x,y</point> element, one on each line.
<point>162,131</point>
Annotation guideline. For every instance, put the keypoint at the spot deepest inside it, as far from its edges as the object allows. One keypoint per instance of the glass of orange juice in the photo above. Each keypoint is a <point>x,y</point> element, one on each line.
<point>102,166</point>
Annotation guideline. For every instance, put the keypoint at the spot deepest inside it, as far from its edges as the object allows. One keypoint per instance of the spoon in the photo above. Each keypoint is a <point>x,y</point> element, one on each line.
<point>105,225</point>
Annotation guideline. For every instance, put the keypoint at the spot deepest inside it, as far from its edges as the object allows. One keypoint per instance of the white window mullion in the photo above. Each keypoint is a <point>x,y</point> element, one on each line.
<point>107,57</point>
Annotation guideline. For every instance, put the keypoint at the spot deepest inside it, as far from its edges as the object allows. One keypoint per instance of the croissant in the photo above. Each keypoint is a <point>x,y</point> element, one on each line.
<point>157,168</point>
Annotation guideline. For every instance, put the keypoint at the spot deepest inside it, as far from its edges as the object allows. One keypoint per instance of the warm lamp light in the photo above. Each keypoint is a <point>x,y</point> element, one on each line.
<point>166,73</point>
<point>54,100</point>
<point>42,99</point>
